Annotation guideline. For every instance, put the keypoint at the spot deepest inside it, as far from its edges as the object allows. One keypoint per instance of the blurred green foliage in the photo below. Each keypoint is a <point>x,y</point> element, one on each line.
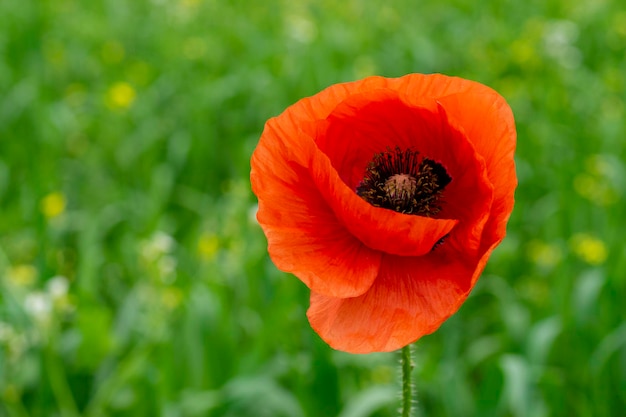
<point>135,281</point>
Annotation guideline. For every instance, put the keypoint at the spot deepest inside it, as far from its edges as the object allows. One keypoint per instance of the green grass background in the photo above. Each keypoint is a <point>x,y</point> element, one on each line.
<point>126,129</point>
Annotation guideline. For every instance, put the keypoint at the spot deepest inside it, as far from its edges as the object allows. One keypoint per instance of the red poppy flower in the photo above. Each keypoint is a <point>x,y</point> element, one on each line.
<point>386,198</point>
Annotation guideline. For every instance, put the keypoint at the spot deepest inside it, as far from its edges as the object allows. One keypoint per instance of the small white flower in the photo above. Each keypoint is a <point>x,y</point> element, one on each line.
<point>159,244</point>
<point>163,242</point>
<point>38,305</point>
<point>559,42</point>
<point>301,29</point>
<point>58,287</point>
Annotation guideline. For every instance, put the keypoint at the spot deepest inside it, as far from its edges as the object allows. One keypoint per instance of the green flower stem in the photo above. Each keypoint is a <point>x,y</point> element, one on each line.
<point>407,386</point>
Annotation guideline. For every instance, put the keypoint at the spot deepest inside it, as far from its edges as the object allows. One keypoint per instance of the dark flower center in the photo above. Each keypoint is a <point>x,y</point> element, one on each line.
<point>402,181</point>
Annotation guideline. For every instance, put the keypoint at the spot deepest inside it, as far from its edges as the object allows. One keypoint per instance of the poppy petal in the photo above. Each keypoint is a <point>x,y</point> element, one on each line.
<point>493,136</point>
<point>381,229</point>
<point>489,124</point>
<point>369,123</point>
<point>410,298</point>
<point>469,197</point>
<point>304,235</point>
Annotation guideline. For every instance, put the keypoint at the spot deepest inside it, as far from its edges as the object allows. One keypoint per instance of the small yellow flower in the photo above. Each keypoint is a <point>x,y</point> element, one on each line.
<point>53,205</point>
<point>589,248</point>
<point>208,245</point>
<point>22,275</point>
<point>120,96</point>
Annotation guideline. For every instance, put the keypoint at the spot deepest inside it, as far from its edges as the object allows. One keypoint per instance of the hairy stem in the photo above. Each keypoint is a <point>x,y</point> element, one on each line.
<point>407,385</point>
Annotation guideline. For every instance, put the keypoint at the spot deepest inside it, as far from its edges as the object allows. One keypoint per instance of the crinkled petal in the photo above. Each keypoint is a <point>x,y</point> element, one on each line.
<point>372,122</point>
<point>369,123</point>
<point>410,298</point>
<point>493,135</point>
<point>381,229</point>
<point>488,122</point>
<point>304,235</point>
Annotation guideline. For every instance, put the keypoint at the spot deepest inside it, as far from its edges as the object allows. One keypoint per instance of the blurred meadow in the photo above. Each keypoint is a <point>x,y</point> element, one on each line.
<point>134,280</point>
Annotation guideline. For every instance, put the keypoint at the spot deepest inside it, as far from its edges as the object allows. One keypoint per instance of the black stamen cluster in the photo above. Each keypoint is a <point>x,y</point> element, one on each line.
<point>430,180</point>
